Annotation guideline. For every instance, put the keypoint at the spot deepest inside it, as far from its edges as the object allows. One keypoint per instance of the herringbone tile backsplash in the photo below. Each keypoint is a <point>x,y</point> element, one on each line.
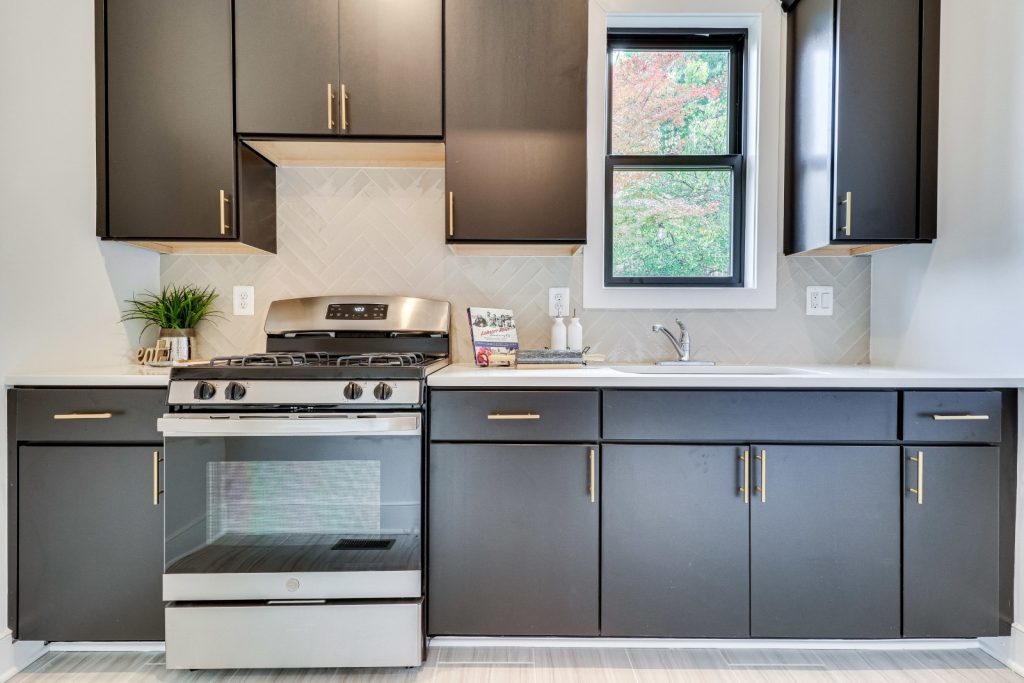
<point>380,231</point>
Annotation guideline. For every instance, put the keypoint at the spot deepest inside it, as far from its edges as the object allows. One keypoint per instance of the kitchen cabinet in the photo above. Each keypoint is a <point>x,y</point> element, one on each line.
<point>515,121</point>
<point>863,125</point>
<point>85,535</point>
<point>675,557</point>
<point>513,540</point>
<point>368,68</point>
<point>166,151</point>
<point>825,542</point>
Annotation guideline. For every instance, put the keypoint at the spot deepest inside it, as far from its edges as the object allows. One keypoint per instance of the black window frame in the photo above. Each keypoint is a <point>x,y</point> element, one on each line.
<point>734,40</point>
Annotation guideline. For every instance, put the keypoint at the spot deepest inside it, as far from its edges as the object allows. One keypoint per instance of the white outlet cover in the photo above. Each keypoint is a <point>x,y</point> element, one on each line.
<point>558,302</point>
<point>820,300</point>
<point>243,300</point>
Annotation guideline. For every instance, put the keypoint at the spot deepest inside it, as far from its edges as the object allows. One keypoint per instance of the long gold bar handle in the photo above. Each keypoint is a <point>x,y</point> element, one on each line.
<point>745,489</point>
<point>919,491</point>
<point>330,106</point>
<point>451,214</point>
<point>224,201</point>
<point>955,418</point>
<point>763,487</point>
<point>157,491</point>
<point>592,487</point>
<point>83,416</point>
<point>344,107</point>
<point>848,202</point>
<point>513,416</point>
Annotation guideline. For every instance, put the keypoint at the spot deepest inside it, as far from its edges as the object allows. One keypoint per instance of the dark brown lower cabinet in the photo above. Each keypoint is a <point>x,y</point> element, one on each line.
<point>675,557</point>
<point>951,542</point>
<point>513,544</point>
<point>825,542</point>
<point>90,551</point>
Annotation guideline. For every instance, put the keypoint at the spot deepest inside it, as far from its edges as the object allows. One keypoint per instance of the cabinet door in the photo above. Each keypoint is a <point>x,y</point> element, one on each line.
<point>825,542</point>
<point>513,544</point>
<point>90,544</point>
<point>674,551</point>
<point>515,120</point>
<point>391,67</point>
<point>170,132</point>
<point>951,542</point>
<point>876,153</point>
<point>286,58</point>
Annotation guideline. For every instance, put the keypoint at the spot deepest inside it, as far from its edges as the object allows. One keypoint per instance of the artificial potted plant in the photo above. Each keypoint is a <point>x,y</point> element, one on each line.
<point>176,310</point>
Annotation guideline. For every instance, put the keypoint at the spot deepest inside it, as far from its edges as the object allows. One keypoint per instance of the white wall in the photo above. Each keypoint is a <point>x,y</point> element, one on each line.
<point>60,288</point>
<point>959,304</point>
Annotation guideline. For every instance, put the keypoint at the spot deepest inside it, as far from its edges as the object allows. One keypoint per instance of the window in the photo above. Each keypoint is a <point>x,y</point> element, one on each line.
<point>674,165</point>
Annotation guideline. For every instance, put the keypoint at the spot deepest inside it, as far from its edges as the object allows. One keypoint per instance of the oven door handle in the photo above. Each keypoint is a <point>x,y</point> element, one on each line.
<point>398,424</point>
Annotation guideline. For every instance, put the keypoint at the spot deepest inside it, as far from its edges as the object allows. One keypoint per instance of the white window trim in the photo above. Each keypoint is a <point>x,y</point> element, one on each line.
<point>764,93</point>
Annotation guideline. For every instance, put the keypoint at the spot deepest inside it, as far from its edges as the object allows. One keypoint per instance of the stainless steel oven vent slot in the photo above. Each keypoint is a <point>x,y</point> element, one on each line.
<point>364,544</point>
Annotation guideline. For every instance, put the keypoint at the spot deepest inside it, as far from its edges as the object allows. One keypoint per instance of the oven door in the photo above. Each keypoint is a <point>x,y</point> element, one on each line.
<point>292,507</point>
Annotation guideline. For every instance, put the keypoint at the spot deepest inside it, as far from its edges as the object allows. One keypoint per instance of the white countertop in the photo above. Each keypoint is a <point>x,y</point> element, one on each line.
<point>807,376</point>
<point>117,376</point>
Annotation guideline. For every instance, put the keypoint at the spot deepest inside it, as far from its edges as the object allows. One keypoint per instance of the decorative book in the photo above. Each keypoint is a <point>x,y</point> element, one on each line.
<point>493,331</point>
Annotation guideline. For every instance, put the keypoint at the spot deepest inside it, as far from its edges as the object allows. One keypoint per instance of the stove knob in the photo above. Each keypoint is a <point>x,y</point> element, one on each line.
<point>234,392</point>
<point>353,391</point>
<point>382,391</point>
<point>204,391</point>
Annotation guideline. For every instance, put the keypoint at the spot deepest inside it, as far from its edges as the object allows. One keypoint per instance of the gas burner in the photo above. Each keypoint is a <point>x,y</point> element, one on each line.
<point>385,359</point>
<point>322,359</point>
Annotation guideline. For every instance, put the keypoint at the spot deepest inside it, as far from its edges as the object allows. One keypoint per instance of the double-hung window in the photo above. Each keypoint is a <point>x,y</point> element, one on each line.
<point>674,169</point>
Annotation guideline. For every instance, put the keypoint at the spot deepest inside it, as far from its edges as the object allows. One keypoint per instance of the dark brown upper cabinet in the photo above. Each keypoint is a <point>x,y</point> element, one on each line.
<point>515,121</point>
<point>166,152</point>
<point>367,68</point>
<point>863,125</point>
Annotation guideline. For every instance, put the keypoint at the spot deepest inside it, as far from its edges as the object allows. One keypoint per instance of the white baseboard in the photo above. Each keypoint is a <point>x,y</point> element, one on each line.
<point>702,643</point>
<point>1007,649</point>
<point>104,646</point>
<point>16,655</point>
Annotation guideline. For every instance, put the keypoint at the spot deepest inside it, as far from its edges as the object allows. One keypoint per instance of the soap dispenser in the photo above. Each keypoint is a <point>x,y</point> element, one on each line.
<point>575,333</point>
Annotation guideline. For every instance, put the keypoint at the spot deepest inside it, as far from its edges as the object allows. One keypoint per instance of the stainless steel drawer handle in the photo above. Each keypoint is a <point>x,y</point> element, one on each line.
<point>513,416</point>
<point>83,416</point>
<point>592,482</point>
<point>919,491</point>
<point>157,491</point>
<point>958,418</point>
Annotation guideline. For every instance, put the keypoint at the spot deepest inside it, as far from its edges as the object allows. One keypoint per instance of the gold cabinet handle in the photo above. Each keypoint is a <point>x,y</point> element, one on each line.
<point>919,491</point>
<point>592,485</point>
<point>763,487</point>
<point>513,416</point>
<point>330,106</point>
<point>848,203</point>
<point>451,214</point>
<point>956,418</point>
<point>745,489</point>
<point>344,107</point>
<point>83,416</point>
<point>157,491</point>
<point>225,199</point>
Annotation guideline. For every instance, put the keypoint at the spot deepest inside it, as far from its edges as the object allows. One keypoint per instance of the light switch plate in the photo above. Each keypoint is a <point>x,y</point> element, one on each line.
<point>820,300</point>
<point>244,300</point>
<point>558,301</point>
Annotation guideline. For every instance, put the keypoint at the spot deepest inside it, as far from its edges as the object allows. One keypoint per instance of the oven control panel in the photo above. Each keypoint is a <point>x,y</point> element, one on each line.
<point>357,311</point>
<point>297,393</point>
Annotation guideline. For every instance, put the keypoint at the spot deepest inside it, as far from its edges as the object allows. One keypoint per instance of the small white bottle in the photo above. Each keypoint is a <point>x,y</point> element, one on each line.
<point>575,334</point>
<point>558,335</point>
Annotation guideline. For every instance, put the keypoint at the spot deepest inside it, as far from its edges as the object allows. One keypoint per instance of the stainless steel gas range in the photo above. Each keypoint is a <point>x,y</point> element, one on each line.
<point>293,491</point>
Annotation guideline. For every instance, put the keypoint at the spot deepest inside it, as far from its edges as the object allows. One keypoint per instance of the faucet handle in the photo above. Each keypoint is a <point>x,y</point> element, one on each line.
<point>682,327</point>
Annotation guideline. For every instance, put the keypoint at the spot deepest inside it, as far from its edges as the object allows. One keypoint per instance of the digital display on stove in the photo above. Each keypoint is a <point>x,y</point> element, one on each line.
<point>357,311</point>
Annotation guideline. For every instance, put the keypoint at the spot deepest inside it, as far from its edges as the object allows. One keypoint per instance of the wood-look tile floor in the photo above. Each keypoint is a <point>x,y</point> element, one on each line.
<point>563,665</point>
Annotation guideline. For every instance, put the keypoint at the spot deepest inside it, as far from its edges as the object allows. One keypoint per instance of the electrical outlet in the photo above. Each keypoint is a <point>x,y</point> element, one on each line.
<point>558,301</point>
<point>244,300</point>
<point>820,301</point>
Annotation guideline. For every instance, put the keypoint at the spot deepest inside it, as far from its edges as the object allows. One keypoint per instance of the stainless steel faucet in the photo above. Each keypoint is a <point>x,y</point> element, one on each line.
<point>681,345</point>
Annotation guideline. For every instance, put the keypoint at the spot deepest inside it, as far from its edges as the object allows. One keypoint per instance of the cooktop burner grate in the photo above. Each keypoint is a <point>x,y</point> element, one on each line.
<point>322,359</point>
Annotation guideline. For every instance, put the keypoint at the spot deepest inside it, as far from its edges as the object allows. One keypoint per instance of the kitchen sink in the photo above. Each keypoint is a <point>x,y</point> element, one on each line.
<point>765,370</point>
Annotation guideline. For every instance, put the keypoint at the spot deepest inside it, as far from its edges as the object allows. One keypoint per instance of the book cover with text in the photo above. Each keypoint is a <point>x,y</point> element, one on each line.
<point>493,332</point>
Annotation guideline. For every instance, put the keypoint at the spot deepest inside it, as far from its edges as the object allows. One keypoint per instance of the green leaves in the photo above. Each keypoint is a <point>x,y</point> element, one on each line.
<point>175,307</point>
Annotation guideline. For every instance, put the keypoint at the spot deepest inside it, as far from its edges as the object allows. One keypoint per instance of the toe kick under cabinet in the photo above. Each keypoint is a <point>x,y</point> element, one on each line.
<point>721,513</point>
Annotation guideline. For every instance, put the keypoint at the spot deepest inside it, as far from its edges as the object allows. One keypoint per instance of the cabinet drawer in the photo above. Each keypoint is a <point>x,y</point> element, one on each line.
<point>732,416</point>
<point>521,416</point>
<point>89,415</point>
<point>952,416</point>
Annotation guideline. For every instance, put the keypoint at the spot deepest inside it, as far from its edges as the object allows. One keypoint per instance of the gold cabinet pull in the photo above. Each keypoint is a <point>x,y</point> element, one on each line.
<point>848,203</point>
<point>157,491</point>
<point>763,487</point>
<point>344,107</point>
<point>919,491</point>
<point>745,489</point>
<point>592,485</point>
<point>225,199</point>
<point>451,214</point>
<point>330,106</point>
<point>957,418</point>
<point>83,416</point>
<point>514,416</point>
